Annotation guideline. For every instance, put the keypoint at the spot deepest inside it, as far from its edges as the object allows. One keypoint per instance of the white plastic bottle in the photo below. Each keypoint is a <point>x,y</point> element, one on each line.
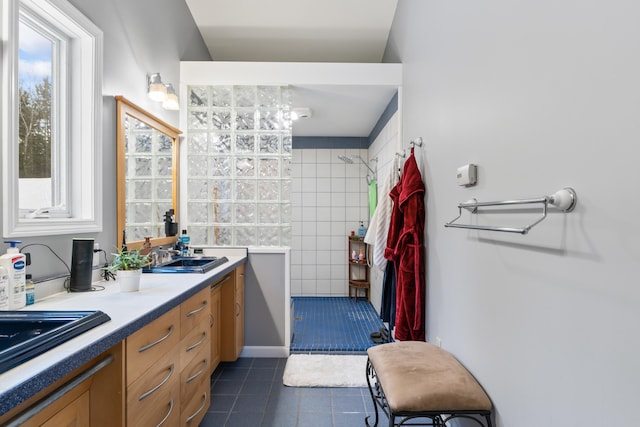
<point>15,264</point>
<point>4,288</point>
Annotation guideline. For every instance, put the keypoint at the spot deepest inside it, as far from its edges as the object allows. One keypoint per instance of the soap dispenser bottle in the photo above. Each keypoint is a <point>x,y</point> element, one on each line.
<point>184,241</point>
<point>146,246</point>
<point>15,264</point>
<point>362,230</point>
<point>4,289</point>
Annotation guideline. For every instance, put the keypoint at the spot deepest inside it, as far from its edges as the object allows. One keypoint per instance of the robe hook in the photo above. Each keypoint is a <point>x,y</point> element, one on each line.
<point>416,142</point>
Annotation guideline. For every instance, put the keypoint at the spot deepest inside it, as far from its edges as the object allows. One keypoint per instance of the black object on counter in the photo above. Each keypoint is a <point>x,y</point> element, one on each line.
<point>81,265</point>
<point>170,225</point>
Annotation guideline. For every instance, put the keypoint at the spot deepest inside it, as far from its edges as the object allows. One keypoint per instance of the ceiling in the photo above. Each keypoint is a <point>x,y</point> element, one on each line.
<point>307,31</point>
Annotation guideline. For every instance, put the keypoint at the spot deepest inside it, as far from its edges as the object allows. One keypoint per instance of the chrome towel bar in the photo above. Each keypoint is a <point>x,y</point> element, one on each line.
<point>564,200</point>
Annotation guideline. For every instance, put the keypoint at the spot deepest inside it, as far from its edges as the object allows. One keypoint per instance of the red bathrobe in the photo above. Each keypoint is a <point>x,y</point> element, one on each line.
<point>405,247</point>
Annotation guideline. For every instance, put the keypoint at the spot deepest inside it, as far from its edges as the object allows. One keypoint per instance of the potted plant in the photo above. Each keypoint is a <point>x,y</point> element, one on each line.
<point>127,264</point>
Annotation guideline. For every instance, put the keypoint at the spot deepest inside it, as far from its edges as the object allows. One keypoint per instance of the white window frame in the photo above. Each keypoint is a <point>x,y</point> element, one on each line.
<point>77,114</point>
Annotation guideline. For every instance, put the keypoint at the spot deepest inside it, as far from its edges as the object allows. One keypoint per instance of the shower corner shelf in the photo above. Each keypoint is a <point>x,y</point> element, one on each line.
<point>358,270</point>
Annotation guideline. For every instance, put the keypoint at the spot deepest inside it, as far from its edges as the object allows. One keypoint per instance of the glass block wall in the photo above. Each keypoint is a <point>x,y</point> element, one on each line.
<point>239,165</point>
<point>149,195</point>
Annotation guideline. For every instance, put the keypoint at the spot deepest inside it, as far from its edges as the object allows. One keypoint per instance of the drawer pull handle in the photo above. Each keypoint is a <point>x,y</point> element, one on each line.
<point>238,311</point>
<point>197,310</point>
<point>197,374</point>
<point>195,414</point>
<point>212,320</point>
<point>153,390</point>
<point>221,281</point>
<point>166,417</point>
<point>153,344</point>
<point>192,346</point>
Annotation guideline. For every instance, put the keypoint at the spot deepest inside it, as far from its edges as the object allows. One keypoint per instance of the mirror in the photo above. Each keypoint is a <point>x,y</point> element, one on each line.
<point>147,175</point>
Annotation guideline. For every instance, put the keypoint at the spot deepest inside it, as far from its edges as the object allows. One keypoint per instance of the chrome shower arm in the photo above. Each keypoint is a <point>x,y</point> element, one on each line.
<point>367,165</point>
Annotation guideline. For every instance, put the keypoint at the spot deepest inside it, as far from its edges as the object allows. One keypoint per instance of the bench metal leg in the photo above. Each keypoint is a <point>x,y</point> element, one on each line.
<point>371,375</point>
<point>379,399</point>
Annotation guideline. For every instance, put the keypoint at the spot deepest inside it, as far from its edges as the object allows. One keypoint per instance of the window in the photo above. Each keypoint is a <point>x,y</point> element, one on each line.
<point>51,114</point>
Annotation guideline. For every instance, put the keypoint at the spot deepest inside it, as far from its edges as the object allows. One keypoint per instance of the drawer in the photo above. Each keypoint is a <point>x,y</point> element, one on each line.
<point>194,411</point>
<point>193,375</point>
<point>147,345</point>
<point>195,310</point>
<point>156,394</point>
<point>198,338</point>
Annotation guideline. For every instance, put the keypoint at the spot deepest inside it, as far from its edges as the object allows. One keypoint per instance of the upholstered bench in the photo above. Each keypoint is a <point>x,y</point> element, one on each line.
<point>415,379</point>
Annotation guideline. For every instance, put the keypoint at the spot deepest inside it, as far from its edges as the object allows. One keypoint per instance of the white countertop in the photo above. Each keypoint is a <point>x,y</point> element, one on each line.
<point>129,311</point>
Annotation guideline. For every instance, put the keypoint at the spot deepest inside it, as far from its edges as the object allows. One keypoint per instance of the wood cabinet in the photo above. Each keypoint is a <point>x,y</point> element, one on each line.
<point>215,320</point>
<point>152,371</point>
<point>358,267</point>
<point>195,358</point>
<point>157,376</point>
<point>232,316</point>
<point>168,366</point>
<point>89,396</point>
<point>74,414</point>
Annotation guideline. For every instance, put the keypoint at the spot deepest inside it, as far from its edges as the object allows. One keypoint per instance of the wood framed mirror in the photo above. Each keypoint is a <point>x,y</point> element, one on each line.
<point>147,175</point>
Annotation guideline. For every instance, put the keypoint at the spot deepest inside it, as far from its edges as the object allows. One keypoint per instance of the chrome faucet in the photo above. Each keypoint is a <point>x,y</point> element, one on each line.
<point>162,255</point>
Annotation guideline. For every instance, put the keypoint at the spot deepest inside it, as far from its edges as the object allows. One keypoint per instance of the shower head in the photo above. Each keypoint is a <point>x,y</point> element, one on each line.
<point>349,160</point>
<point>345,159</point>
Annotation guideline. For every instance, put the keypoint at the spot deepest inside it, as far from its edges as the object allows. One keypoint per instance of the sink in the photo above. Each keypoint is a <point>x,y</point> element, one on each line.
<point>27,334</point>
<point>187,265</point>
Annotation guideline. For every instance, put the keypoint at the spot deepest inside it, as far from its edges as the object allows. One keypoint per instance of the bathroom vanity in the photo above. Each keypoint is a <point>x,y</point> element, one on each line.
<point>151,362</point>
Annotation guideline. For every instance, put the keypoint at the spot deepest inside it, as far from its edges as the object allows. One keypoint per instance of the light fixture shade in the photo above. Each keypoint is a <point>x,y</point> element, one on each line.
<point>157,91</point>
<point>171,101</point>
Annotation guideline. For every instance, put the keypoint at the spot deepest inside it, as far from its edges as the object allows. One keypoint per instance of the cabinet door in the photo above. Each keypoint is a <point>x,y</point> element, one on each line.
<point>147,345</point>
<point>195,314</point>
<point>229,319</point>
<point>239,332</point>
<point>195,411</point>
<point>215,328</point>
<point>155,396</point>
<point>192,378</point>
<point>86,403</point>
<point>194,311</point>
<point>75,414</point>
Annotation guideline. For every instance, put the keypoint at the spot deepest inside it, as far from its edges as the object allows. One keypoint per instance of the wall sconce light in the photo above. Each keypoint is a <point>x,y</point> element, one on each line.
<point>156,90</point>
<point>171,101</point>
<point>160,92</point>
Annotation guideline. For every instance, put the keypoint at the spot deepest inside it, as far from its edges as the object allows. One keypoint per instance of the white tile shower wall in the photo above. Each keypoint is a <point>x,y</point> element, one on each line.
<point>329,198</point>
<point>384,148</point>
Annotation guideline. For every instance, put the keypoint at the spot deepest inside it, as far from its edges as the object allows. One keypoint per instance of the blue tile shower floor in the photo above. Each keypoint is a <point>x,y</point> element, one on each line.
<point>333,325</point>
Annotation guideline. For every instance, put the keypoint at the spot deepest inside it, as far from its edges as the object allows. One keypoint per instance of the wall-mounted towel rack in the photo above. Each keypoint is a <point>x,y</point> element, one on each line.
<point>564,199</point>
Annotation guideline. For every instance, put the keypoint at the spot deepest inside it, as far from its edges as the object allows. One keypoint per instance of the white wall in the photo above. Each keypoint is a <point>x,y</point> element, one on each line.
<point>541,95</point>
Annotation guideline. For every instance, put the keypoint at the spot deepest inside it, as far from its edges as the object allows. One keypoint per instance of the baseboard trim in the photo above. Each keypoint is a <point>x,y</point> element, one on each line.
<point>265,351</point>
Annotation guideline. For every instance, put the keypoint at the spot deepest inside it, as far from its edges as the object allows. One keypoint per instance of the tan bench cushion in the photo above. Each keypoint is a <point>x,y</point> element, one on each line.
<point>419,377</point>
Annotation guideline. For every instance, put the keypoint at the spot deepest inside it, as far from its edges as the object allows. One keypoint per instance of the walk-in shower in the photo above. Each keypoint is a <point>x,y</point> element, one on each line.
<point>349,159</point>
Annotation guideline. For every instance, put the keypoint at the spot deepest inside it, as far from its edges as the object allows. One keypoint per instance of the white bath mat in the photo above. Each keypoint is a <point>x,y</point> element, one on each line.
<point>325,370</point>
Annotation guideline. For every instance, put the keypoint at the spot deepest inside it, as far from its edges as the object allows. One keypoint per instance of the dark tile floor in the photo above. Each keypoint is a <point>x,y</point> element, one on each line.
<point>249,393</point>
